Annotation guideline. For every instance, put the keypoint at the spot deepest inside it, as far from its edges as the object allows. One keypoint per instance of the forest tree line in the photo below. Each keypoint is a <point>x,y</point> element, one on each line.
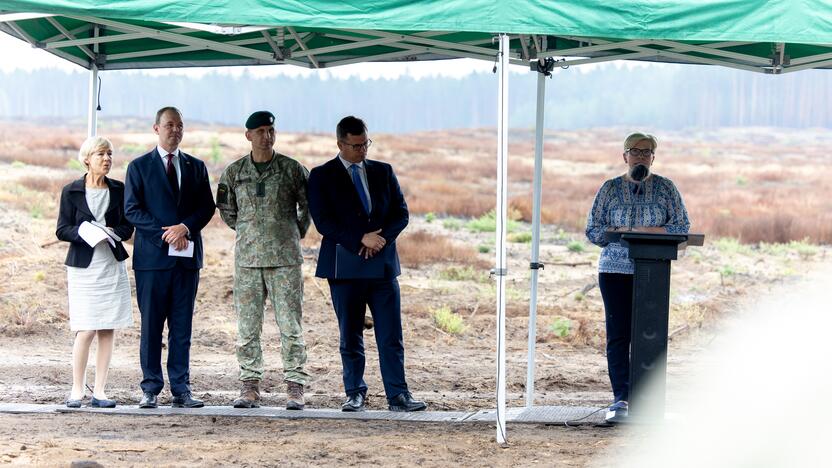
<point>664,97</point>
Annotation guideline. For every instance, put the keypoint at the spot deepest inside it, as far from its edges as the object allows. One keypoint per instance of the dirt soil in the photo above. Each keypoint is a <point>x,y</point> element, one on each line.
<point>187,441</point>
<point>448,371</point>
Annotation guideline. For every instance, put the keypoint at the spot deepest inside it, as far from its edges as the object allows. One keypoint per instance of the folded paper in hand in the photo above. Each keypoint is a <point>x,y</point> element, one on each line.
<point>186,252</point>
<point>93,234</point>
<point>109,231</point>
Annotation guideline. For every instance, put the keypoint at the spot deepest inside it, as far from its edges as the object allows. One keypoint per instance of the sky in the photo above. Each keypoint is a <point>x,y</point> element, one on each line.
<point>18,55</point>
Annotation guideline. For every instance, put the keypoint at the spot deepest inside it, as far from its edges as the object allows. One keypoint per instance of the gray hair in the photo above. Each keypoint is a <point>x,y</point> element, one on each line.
<point>634,138</point>
<point>91,145</point>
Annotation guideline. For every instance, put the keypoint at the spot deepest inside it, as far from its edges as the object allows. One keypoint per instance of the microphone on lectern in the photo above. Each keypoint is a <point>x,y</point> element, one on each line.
<point>638,173</point>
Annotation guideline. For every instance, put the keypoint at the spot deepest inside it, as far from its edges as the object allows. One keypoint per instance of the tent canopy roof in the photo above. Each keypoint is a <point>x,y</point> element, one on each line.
<point>769,36</point>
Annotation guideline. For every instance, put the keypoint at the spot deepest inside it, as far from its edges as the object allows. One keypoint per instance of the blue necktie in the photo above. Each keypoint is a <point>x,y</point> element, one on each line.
<point>359,187</point>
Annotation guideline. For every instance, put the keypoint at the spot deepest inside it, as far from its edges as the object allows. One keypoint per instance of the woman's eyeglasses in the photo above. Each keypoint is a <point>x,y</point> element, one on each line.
<point>640,153</point>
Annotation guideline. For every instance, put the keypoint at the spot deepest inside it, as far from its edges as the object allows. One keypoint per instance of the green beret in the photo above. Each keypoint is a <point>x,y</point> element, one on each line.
<point>258,119</point>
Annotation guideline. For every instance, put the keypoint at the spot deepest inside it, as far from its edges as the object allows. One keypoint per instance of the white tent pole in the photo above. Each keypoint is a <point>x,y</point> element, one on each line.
<point>500,215</point>
<point>92,113</point>
<point>535,265</point>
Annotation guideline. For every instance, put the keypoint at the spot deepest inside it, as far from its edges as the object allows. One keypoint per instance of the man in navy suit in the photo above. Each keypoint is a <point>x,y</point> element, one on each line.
<point>168,199</point>
<point>358,207</point>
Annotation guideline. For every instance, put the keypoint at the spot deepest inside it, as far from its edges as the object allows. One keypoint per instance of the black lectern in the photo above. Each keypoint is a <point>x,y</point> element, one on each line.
<point>651,253</point>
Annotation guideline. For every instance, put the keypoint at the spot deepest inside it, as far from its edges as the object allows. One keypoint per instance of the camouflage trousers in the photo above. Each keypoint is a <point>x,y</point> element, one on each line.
<point>284,286</point>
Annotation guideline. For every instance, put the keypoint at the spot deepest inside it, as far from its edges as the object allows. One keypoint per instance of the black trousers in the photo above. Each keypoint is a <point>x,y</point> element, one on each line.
<point>617,293</point>
<point>166,296</point>
<point>350,298</point>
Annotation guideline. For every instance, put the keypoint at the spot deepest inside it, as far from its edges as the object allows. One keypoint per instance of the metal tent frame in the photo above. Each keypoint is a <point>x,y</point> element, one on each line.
<point>104,43</point>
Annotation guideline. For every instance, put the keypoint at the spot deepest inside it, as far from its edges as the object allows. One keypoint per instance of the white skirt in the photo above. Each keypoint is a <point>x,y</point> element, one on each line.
<point>99,295</point>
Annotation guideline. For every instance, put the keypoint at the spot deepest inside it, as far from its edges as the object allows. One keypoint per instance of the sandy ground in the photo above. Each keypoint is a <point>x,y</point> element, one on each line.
<point>183,441</point>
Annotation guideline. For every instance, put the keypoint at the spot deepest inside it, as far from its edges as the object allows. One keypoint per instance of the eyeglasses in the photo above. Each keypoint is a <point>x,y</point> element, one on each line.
<point>358,146</point>
<point>640,153</point>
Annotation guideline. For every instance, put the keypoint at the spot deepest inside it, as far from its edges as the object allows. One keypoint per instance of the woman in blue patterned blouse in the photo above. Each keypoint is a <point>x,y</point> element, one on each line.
<point>621,204</point>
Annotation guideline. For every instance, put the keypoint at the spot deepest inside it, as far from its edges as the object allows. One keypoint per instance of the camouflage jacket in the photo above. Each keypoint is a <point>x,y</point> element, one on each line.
<point>269,210</point>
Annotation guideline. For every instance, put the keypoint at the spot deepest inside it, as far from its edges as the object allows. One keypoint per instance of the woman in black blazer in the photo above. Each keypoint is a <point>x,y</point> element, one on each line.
<point>91,219</point>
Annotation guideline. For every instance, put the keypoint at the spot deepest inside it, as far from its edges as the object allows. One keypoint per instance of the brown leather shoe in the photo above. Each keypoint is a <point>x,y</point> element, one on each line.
<point>294,396</point>
<point>249,395</point>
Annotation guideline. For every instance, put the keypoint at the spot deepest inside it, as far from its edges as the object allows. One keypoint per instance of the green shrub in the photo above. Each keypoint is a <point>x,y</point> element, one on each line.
<point>39,276</point>
<point>482,248</point>
<point>520,237</point>
<point>452,224</point>
<point>695,255</point>
<point>560,327</point>
<point>429,217</point>
<point>36,211</point>
<point>488,223</point>
<point>466,273</point>
<point>75,164</point>
<point>802,247</point>
<point>729,245</point>
<point>448,321</point>
<point>575,246</point>
<point>18,164</point>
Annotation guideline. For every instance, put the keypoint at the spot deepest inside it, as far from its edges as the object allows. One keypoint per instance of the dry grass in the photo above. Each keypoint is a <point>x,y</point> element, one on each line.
<point>732,184</point>
<point>17,319</point>
<point>44,184</point>
<point>421,248</point>
<point>31,145</point>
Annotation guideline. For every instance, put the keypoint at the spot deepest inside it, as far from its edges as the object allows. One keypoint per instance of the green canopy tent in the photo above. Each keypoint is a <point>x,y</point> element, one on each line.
<point>757,36</point>
<point>766,36</point>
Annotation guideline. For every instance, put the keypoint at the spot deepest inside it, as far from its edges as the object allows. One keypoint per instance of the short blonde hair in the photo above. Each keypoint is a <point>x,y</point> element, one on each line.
<point>91,145</point>
<point>634,138</point>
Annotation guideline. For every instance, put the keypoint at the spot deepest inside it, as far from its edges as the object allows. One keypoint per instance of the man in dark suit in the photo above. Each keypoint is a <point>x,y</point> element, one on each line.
<point>168,199</point>
<point>359,209</point>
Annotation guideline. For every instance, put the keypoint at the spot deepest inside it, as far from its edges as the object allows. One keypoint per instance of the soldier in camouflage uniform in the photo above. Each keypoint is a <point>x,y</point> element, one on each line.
<point>262,196</point>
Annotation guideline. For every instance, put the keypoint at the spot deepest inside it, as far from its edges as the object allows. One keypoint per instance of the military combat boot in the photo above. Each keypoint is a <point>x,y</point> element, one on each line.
<point>294,396</point>
<point>249,395</point>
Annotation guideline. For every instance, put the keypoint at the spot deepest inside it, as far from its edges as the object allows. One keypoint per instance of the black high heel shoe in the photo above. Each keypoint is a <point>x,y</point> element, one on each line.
<point>70,403</point>
<point>96,403</point>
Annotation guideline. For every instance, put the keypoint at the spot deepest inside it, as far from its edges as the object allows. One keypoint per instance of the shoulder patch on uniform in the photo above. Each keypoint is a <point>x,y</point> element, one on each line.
<point>222,193</point>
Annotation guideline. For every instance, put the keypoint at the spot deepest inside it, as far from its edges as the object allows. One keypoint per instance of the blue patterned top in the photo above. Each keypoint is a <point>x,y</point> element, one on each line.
<point>616,204</point>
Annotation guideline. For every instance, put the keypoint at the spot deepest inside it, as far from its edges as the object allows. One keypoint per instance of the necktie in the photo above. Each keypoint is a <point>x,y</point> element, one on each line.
<point>359,187</point>
<point>171,172</point>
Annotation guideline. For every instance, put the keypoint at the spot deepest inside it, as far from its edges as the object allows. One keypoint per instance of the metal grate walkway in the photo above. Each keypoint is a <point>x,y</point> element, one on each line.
<point>574,415</point>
